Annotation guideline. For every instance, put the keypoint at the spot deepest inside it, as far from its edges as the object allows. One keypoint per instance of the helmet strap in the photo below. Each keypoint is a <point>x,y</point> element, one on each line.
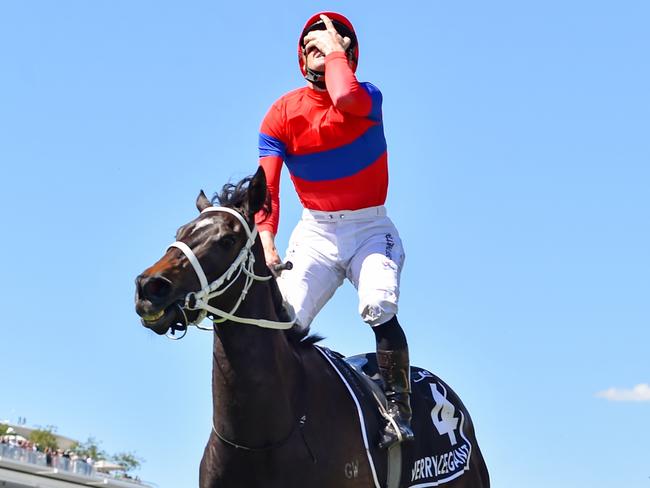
<point>315,77</point>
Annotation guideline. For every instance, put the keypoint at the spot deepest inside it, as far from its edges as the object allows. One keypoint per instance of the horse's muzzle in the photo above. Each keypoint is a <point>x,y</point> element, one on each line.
<point>154,288</point>
<point>154,302</point>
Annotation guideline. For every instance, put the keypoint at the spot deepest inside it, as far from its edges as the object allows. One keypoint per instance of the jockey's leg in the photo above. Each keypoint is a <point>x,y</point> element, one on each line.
<point>375,270</point>
<point>315,275</point>
<point>394,368</point>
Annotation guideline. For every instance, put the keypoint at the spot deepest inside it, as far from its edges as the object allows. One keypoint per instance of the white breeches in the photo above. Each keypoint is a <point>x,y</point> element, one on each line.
<point>327,247</point>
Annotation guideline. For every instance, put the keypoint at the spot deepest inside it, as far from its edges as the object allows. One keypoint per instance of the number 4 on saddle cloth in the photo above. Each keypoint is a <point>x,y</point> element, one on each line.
<point>444,444</point>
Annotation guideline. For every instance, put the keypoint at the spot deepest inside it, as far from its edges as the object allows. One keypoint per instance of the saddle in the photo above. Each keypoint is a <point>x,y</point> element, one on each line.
<point>441,450</point>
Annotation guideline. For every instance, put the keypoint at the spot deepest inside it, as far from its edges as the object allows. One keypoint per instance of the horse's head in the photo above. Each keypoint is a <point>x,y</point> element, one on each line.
<point>207,253</point>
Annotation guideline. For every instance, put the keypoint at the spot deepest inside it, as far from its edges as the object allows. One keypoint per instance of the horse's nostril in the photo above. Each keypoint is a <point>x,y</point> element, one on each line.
<point>155,288</point>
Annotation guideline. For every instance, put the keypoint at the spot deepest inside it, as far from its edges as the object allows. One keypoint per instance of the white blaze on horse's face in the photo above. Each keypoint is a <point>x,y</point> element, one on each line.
<point>203,223</point>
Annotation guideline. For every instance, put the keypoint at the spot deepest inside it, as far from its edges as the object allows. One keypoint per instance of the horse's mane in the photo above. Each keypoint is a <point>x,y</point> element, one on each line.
<point>301,338</point>
<point>234,195</point>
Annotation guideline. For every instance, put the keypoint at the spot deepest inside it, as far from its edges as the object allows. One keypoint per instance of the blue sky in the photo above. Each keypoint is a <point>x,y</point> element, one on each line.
<point>519,152</point>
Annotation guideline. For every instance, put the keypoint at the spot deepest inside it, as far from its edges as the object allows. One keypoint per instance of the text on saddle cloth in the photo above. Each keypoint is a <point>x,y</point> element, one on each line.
<point>442,448</point>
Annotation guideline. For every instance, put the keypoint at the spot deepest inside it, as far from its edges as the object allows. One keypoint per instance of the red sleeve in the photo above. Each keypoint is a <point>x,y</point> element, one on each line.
<point>272,149</point>
<point>272,169</point>
<point>346,92</point>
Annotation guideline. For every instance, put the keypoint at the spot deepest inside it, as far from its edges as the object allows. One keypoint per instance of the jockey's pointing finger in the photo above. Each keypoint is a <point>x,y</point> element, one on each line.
<point>328,24</point>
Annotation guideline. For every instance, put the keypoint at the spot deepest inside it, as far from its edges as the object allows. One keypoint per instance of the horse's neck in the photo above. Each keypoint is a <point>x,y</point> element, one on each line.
<point>255,373</point>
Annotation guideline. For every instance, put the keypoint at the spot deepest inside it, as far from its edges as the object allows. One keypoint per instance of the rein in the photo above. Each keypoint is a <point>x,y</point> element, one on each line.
<point>243,263</point>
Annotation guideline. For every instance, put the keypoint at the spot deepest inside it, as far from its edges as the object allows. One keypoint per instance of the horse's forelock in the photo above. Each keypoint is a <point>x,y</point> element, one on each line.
<point>235,195</point>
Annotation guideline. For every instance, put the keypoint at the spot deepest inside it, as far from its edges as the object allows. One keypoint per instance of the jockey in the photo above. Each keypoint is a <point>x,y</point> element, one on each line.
<point>330,135</point>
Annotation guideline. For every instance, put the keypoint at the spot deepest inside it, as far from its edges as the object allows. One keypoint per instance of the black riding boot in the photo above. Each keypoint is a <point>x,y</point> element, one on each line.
<point>394,370</point>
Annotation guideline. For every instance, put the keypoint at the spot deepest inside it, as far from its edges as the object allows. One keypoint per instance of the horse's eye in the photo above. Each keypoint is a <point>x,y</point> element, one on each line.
<point>227,241</point>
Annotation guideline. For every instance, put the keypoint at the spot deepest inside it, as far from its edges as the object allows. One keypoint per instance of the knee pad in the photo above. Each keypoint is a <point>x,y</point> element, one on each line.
<point>378,309</point>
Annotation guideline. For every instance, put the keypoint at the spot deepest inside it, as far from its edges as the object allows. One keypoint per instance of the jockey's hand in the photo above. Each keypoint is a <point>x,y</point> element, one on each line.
<point>326,41</point>
<point>270,251</point>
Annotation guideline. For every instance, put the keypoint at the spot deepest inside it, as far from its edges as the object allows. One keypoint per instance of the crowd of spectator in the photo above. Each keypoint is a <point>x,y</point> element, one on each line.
<point>15,447</point>
<point>67,460</point>
<point>52,456</point>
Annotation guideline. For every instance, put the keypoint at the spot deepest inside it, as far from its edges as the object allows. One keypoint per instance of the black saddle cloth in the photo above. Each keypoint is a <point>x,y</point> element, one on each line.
<point>442,448</point>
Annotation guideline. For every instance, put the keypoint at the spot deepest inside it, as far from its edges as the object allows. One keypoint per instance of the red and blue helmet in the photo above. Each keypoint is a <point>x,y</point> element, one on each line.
<point>342,25</point>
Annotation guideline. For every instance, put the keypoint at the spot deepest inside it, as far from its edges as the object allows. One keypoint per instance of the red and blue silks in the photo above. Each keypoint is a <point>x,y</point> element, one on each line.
<point>331,141</point>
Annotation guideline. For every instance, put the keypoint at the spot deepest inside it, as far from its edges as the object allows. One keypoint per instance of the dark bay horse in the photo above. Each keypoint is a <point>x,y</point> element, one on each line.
<point>282,417</point>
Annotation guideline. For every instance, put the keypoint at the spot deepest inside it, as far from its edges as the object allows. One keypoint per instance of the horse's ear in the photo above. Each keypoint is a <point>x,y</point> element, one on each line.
<point>202,202</point>
<point>256,192</point>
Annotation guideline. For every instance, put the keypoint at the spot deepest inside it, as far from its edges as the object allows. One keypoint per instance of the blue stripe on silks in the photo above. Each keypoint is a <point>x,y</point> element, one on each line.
<point>270,146</point>
<point>376,97</point>
<point>341,161</point>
